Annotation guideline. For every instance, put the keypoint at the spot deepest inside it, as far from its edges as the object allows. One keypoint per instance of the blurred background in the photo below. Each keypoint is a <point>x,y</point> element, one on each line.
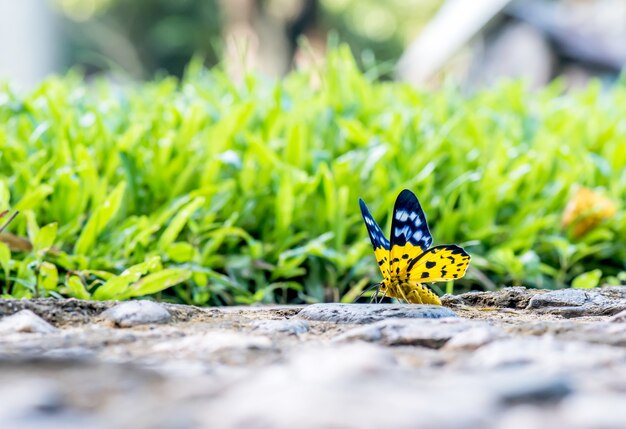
<point>422,41</point>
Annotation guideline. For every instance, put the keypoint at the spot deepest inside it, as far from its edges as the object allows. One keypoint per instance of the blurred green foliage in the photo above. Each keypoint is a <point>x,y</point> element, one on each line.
<point>206,191</point>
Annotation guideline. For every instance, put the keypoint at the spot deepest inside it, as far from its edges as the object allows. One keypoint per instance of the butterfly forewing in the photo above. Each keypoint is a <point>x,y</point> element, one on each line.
<point>441,263</point>
<point>378,239</point>
<point>410,236</point>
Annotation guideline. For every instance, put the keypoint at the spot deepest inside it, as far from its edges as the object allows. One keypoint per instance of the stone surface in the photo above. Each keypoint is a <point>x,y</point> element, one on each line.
<point>348,386</point>
<point>475,337</point>
<point>559,298</point>
<point>394,332</point>
<point>133,313</point>
<point>25,321</point>
<point>501,363</point>
<point>581,302</point>
<point>295,327</point>
<point>368,313</point>
<point>510,297</point>
<point>619,317</point>
<point>534,389</point>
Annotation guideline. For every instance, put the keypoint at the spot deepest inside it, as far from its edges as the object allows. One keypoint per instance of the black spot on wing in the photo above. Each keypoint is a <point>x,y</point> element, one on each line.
<point>435,250</point>
<point>409,222</point>
<point>425,275</point>
<point>377,237</point>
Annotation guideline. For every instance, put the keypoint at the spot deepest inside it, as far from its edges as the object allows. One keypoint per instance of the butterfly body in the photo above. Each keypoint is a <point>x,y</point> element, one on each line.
<point>407,261</point>
<point>405,290</point>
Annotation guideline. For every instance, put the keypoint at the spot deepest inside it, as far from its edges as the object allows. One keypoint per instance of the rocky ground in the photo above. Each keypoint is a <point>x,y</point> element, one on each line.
<point>511,359</point>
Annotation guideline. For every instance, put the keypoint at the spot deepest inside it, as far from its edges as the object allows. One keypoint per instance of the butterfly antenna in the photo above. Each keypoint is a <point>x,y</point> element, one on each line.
<point>367,289</point>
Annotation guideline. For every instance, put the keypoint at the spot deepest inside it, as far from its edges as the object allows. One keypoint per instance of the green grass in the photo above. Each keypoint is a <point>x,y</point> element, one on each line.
<point>206,191</point>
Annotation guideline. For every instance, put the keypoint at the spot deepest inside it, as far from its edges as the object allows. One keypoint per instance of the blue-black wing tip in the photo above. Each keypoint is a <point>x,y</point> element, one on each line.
<point>406,198</point>
<point>363,206</point>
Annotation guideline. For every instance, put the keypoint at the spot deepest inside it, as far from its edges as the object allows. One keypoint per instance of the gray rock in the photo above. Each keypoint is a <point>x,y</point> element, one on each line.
<point>598,332</point>
<point>133,313</point>
<point>25,321</point>
<point>474,338</point>
<point>293,327</point>
<point>525,417</point>
<point>537,389</point>
<point>394,332</point>
<point>593,410</point>
<point>579,302</point>
<point>225,347</point>
<point>31,403</point>
<point>497,368</point>
<point>548,353</point>
<point>619,317</point>
<point>69,353</point>
<point>508,297</point>
<point>33,394</point>
<point>349,386</point>
<point>559,298</point>
<point>369,313</point>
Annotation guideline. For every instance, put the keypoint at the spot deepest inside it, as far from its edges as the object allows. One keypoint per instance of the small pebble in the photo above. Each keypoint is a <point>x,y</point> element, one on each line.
<point>133,313</point>
<point>25,321</point>
<point>369,313</point>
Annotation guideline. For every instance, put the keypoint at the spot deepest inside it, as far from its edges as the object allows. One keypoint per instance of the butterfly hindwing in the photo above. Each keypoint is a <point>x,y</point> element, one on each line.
<point>410,236</point>
<point>440,263</point>
<point>378,239</point>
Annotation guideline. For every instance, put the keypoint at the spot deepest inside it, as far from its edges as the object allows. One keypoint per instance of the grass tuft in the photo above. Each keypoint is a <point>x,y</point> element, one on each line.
<point>205,191</point>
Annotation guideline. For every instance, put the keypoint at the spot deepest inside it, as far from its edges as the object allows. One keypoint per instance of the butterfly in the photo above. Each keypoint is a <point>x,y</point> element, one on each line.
<point>408,261</point>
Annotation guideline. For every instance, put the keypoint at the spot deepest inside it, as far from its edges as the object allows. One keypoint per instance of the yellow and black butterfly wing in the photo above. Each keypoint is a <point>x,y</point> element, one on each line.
<point>410,236</point>
<point>378,239</point>
<point>441,263</point>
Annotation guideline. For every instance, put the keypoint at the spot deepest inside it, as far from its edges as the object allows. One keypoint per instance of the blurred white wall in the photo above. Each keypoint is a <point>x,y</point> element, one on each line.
<point>29,41</point>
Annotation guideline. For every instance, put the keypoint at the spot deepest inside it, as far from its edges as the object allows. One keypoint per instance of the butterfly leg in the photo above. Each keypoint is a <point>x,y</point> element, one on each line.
<point>374,296</point>
<point>402,295</point>
<point>382,296</point>
<point>414,297</point>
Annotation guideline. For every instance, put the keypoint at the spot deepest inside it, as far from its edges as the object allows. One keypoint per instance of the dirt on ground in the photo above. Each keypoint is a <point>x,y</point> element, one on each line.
<point>507,359</point>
